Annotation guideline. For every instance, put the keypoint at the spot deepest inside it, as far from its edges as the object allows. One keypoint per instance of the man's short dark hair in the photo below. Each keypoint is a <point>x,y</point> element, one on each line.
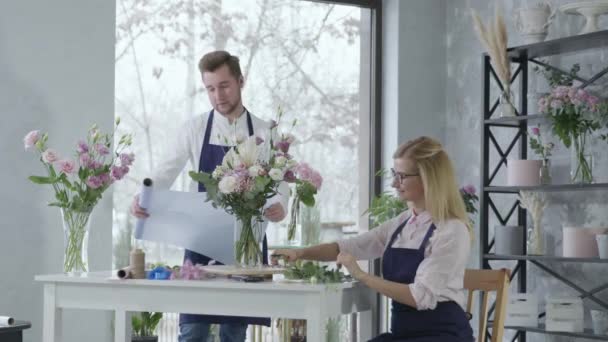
<point>215,59</point>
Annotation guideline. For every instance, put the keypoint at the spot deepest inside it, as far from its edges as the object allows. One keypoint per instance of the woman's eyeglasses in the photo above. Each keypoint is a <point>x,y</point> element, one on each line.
<point>402,175</point>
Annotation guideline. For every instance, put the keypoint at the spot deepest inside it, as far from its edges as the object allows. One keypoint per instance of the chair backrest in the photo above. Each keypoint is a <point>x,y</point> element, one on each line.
<point>488,281</point>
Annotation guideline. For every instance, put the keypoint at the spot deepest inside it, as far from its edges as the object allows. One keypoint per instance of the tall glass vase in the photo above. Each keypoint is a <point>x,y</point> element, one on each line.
<point>310,225</point>
<point>76,225</point>
<point>581,165</point>
<point>506,102</point>
<point>249,235</point>
<point>536,243</point>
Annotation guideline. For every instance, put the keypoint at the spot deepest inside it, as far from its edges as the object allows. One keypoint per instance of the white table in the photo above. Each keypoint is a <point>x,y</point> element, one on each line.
<point>103,291</point>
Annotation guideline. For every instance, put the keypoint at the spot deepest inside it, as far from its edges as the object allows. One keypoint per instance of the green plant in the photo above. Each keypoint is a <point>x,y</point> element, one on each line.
<point>313,272</point>
<point>145,323</point>
<point>556,78</point>
<point>384,207</point>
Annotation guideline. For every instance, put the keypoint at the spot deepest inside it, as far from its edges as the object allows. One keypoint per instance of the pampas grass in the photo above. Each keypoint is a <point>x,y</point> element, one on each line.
<point>494,38</point>
<point>535,203</point>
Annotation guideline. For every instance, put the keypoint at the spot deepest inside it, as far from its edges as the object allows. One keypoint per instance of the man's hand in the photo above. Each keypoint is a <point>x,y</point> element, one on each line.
<point>289,255</point>
<point>275,212</point>
<point>136,210</point>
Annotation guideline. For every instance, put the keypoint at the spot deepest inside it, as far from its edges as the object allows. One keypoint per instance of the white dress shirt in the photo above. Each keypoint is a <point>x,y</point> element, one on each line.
<point>440,276</point>
<point>185,148</point>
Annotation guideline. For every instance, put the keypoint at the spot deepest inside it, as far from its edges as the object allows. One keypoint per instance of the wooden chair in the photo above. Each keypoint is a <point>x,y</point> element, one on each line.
<point>488,281</point>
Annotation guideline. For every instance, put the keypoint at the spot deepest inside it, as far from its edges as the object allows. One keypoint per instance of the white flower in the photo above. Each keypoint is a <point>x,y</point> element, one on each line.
<point>218,172</point>
<point>50,156</point>
<point>227,185</point>
<point>254,170</point>
<point>276,174</point>
<point>231,160</point>
<point>291,164</point>
<point>248,152</point>
<point>280,161</point>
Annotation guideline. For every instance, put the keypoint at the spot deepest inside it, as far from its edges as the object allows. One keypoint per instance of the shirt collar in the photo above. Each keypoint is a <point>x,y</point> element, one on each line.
<point>221,118</point>
<point>421,217</point>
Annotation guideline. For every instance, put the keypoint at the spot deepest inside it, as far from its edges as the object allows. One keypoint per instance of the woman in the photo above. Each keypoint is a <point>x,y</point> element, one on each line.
<point>424,250</point>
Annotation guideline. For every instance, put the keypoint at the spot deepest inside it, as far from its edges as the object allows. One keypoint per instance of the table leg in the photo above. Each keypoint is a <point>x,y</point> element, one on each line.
<point>315,328</point>
<point>365,326</point>
<point>51,326</point>
<point>122,326</point>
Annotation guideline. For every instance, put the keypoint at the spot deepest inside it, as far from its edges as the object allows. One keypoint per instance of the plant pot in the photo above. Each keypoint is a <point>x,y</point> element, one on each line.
<point>599,320</point>
<point>580,242</point>
<point>144,339</point>
<point>509,240</point>
<point>521,172</point>
<point>602,245</point>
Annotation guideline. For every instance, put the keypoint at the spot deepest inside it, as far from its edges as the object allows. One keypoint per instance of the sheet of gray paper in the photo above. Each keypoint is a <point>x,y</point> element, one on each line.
<point>184,219</point>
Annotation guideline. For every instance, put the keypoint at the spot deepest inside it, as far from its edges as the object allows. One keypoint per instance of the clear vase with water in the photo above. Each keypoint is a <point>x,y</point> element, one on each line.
<point>76,226</point>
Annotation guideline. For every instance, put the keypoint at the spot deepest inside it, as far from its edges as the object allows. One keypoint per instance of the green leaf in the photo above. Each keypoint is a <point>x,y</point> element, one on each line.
<point>42,180</point>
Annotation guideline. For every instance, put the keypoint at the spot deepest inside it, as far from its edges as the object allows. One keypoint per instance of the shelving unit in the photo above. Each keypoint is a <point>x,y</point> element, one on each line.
<point>522,56</point>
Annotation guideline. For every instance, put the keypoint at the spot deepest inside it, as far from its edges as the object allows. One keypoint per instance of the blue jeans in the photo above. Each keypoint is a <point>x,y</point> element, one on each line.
<point>199,332</point>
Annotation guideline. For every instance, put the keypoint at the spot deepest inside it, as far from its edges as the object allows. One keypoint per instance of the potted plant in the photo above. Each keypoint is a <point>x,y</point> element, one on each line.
<point>144,325</point>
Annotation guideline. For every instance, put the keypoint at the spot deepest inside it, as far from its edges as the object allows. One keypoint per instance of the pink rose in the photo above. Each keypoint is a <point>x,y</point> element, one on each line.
<point>557,104</point>
<point>102,149</point>
<point>469,189</point>
<point>536,131</point>
<point>304,171</point>
<point>66,166</point>
<point>50,156</point>
<point>94,182</point>
<point>126,159</point>
<point>317,180</point>
<point>31,139</point>
<point>82,147</point>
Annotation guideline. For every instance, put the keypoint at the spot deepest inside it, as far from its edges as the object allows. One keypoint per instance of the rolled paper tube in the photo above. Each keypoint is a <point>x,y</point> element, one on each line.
<point>144,202</point>
<point>6,320</point>
<point>124,273</point>
<point>137,260</point>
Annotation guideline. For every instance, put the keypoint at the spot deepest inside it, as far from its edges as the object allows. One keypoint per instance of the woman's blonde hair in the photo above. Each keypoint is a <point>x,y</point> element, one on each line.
<point>441,194</point>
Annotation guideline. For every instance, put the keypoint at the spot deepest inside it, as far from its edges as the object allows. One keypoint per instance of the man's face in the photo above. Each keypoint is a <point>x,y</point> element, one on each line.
<point>223,89</point>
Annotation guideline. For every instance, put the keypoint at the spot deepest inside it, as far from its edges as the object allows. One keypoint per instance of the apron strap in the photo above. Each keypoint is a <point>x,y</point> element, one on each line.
<point>397,232</point>
<point>427,237</point>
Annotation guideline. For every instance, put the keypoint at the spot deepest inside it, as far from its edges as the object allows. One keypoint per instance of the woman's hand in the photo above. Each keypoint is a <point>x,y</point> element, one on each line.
<point>349,261</point>
<point>289,255</point>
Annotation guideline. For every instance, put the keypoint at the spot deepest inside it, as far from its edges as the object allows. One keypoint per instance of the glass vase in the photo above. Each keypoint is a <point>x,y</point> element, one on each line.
<point>505,103</point>
<point>76,226</point>
<point>581,165</point>
<point>310,225</point>
<point>545,172</point>
<point>536,243</point>
<point>248,235</point>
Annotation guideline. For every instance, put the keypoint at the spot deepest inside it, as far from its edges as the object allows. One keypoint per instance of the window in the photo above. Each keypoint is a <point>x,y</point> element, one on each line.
<point>311,58</point>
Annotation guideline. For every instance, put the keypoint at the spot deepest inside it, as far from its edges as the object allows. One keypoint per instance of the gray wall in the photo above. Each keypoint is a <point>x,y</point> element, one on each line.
<point>56,75</point>
<point>463,130</point>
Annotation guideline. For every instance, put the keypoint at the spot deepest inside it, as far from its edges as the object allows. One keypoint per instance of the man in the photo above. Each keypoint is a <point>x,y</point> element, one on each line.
<point>203,141</point>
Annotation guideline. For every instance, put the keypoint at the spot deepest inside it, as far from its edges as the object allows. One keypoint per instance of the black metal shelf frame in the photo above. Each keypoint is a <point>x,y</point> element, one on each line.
<point>522,56</point>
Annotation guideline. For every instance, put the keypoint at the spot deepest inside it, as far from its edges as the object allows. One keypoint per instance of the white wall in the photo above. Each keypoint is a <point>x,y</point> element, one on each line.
<point>413,83</point>
<point>56,75</point>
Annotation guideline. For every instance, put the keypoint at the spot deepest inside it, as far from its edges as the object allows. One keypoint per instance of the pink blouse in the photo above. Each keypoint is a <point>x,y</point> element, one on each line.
<point>440,276</point>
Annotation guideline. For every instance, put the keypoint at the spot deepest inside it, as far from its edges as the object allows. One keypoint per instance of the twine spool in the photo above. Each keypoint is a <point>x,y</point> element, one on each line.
<point>137,260</point>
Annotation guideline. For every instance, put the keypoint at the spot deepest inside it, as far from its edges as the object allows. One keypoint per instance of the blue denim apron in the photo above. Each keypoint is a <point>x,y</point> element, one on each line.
<point>212,156</point>
<point>446,323</point>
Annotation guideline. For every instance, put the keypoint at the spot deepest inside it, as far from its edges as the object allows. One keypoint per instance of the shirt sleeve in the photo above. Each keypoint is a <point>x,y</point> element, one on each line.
<point>174,157</point>
<point>449,254</point>
<point>371,244</point>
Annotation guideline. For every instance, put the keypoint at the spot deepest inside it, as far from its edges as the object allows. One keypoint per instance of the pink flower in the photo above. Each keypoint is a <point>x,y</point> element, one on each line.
<point>535,131</point>
<point>50,156</point>
<point>105,178</point>
<point>282,146</point>
<point>85,160</point>
<point>31,139</point>
<point>66,166</point>
<point>557,104</point>
<point>126,159</point>
<point>560,91</point>
<point>118,172</point>
<point>304,171</point>
<point>469,189</point>
<point>82,147</point>
<point>95,165</point>
<point>190,271</point>
<point>592,100</point>
<point>94,182</point>
<point>289,177</point>
<point>102,149</point>
<point>317,180</point>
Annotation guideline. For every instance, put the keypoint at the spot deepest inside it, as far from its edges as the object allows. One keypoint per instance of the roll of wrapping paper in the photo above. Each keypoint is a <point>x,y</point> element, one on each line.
<point>6,320</point>
<point>137,261</point>
<point>144,202</point>
<point>124,273</point>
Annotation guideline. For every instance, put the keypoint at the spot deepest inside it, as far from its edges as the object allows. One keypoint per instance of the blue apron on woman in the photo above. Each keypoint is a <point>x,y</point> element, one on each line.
<point>212,156</point>
<point>446,323</point>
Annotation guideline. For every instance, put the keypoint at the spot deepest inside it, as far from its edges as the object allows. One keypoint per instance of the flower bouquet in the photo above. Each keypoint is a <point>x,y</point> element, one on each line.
<point>79,182</point>
<point>573,113</point>
<point>249,175</point>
